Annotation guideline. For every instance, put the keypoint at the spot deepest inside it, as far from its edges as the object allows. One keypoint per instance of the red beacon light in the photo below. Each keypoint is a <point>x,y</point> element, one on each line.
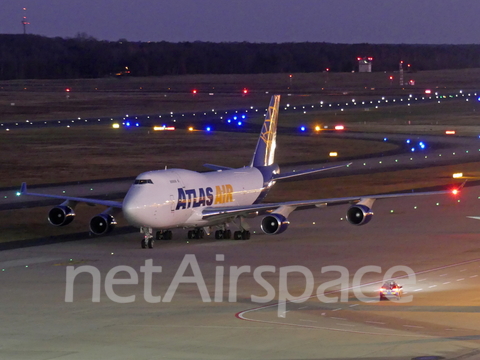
<point>245,91</point>
<point>194,91</point>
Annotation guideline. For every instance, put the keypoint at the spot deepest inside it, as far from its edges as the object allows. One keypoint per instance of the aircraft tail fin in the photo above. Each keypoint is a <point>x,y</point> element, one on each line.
<point>265,150</point>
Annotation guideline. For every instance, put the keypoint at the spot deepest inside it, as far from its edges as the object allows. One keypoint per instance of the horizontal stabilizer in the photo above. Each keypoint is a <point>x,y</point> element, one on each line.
<point>217,167</point>
<point>305,172</point>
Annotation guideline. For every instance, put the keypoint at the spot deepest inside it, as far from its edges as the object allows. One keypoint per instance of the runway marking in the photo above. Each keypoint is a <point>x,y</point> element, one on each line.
<point>463,270</point>
<point>337,309</point>
<point>421,280</point>
<point>445,283</point>
<point>242,314</point>
<point>353,305</point>
<point>343,324</point>
<point>461,279</point>
<point>337,318</point>
<point>303,307</point>
<point>375,322</point>
<point>432,286</point>
<point>418,290</point>
<point>313,321</point>
<point>443,275</point>
<point>473,276</point>
<point>25,262</point>
<point>413,326</point>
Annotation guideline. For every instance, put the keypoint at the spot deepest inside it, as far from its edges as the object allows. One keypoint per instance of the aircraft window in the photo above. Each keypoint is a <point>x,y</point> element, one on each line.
<point>143,181</point>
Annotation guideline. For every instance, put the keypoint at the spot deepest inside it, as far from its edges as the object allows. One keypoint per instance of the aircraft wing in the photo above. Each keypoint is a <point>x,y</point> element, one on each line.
<point>108,203</point>
<point>258,209</point>
<point>306,172</point>
<point>217,167</point>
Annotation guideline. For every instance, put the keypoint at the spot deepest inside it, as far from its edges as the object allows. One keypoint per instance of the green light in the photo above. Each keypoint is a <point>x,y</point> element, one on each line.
<point>18,193</point>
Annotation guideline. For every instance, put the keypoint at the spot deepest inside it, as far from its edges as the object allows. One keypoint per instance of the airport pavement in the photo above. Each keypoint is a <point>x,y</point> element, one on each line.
<point>431,235</point>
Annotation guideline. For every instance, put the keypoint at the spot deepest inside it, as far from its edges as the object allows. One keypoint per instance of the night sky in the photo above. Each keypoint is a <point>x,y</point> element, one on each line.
<point>336,21</point>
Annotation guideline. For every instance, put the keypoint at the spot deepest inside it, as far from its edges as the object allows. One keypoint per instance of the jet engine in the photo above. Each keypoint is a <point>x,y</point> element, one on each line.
<point>102,224</point>
<point>359,215</point>
<point>61,215</point>
<point>274,224</point>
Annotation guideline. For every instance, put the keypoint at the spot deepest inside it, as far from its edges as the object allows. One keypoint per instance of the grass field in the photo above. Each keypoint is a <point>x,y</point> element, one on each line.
<point>47,99</point>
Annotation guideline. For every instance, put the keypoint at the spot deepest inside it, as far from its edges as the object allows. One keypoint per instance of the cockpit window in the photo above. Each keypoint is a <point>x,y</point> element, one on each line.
<point>142,181</point>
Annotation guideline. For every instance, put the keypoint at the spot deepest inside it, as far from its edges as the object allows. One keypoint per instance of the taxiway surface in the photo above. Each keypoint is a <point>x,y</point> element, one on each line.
<point>431,235</point>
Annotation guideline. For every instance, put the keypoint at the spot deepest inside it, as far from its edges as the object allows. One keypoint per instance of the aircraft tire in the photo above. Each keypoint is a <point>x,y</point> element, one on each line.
<point>150,243</point>
<point>144,244</point>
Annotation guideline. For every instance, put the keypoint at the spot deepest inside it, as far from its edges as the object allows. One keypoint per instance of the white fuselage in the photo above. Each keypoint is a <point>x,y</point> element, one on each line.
<point>166,199</point>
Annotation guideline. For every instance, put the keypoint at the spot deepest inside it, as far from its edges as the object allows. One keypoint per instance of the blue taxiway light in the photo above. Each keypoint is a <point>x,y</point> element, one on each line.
<point>385,139</point>
<point>229,121</point>
<point>412,149</point>
<point>303,128</point>
<point>127,123</point>
<point>208,128</point>
<point>408,141</point>
<point>239,123</point>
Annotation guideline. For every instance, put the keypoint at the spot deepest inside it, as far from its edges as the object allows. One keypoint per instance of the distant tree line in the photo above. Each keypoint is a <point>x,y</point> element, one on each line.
<point>35,57</point>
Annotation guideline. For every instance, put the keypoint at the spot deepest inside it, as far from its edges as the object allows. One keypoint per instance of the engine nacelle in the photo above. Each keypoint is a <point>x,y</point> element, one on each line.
<point>61,215</point>
<point>274,224</point>
<point>359,215</point>
<point>102,224</point>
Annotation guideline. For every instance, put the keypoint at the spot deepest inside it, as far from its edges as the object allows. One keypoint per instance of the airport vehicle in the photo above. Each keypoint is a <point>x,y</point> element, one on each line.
<point>159,201</point>
<point>390,289</point>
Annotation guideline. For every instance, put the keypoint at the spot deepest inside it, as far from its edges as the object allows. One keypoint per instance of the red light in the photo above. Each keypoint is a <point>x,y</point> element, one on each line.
<point>391,77</point>
<point>67,90</point>
<point>339,127</point>
<point>245,91</point>
<point>370,58</point>
<point>327,69</point>
<point>194,91</point>
<point>359,58</point>
<point>289,75</point>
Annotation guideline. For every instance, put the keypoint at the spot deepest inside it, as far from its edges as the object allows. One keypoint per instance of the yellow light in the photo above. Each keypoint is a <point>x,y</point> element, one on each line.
<point>457,175</point>
<point>318,128</point>
<point>450,132</point>
<point>339,127</point>
<point>115,126</point>
<point>162,128</point>
<point>190,128</point>
<point>333,154</point>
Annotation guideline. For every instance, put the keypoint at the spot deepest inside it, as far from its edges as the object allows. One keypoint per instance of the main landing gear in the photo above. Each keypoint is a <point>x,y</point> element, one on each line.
<point>198,233</point>
<point>241,235</point>
<point>223,234</point>
<point>164,235</point>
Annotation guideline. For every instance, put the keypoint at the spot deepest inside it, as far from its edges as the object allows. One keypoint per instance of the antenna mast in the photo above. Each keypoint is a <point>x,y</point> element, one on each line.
<point>24,20</point>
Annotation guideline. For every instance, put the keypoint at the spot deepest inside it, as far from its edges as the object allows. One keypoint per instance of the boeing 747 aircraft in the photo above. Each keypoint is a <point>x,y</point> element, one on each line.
<point>161,200</point>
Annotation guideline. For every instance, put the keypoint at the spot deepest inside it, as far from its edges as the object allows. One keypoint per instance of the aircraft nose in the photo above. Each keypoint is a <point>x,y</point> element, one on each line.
<point>134,210</point>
